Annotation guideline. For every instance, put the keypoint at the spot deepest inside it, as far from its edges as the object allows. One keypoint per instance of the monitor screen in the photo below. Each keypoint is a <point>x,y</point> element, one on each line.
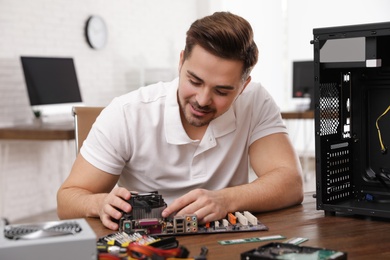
<point>50,80</point>
<point>303,79</point>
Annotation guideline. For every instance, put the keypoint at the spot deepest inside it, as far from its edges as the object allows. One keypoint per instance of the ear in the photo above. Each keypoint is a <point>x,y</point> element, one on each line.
<point>246,83</point>
<point>181,59</point>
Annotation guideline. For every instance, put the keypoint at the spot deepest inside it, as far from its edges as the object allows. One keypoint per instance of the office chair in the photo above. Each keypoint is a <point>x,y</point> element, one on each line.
<point>84,117</point>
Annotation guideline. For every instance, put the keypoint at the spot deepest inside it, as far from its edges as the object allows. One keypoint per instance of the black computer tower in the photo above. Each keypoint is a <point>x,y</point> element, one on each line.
<point>352,119</point>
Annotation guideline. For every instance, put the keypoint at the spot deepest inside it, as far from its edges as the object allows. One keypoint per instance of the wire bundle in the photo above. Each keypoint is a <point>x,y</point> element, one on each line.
<point>383,147</point>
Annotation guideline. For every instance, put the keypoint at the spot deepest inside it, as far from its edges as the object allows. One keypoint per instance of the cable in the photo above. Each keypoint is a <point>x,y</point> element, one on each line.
<point>138,251</point>
<point>108,256</point>
<point>383,147</point>
<point>382,176</point>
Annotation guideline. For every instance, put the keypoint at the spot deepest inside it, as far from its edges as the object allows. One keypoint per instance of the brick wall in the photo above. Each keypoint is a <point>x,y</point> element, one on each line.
<point>144,35</point>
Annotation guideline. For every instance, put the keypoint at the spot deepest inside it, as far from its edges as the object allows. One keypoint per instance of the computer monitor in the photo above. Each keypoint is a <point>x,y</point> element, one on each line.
<point>52,85</point>
<point>303,80</point>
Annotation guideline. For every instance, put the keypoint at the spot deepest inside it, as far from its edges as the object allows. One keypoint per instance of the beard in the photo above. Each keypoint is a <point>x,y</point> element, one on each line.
<point>194,119</point>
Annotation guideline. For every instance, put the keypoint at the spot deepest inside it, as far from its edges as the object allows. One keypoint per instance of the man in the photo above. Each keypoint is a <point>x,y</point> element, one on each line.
<point>191,139</point>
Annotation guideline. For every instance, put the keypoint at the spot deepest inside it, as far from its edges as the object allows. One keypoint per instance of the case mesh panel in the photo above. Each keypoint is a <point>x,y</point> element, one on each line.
<point>329,109</point>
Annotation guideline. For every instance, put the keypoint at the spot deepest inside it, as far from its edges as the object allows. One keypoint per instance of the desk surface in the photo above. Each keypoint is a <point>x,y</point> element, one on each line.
<point>360,237</point>
<point>51,131</point>
<point>309,114</point>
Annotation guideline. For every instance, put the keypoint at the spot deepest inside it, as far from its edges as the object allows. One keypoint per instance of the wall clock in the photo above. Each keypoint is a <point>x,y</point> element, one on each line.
<point>96,32</point>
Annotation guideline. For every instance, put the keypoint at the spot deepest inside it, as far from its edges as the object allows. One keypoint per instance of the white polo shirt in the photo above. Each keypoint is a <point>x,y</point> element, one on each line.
<point>140,136</point>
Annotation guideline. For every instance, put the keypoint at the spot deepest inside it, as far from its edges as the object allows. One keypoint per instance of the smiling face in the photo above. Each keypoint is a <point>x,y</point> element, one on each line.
<point>208,86</point>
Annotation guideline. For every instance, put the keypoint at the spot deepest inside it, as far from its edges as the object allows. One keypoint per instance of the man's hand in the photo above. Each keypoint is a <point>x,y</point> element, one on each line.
<point>206,205</point>
<point>112,205</point>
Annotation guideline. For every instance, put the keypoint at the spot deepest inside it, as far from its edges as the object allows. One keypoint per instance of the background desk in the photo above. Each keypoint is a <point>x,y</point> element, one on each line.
<point>298,114</point>
<point>361,238</point>
<point>66,131</point>
<point>38,132</point>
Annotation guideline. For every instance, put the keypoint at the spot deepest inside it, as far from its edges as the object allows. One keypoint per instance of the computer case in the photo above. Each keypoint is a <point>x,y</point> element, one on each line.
<point>352,126</point>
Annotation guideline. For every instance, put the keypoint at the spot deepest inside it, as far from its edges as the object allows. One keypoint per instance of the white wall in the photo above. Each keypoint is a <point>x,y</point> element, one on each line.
<point>143,34</point>
<point>283,30</point>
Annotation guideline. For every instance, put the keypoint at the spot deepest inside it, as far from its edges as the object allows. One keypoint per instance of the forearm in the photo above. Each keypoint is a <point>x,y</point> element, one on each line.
<point>279,189</point>
<point>78,203</point>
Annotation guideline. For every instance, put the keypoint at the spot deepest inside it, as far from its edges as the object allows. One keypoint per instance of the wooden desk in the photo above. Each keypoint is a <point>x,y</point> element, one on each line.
<point>298,114</point>
<point>361,238</point>
<point>66,131</point>
<point>39,132</point>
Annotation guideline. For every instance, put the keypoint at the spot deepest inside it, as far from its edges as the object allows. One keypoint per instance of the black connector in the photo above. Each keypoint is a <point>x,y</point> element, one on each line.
<point>183,252</point>
<point>203,254</point>
<point>165,243</point>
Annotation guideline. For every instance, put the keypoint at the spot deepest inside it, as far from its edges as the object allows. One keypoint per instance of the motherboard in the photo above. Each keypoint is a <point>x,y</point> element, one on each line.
<point>147,208</point>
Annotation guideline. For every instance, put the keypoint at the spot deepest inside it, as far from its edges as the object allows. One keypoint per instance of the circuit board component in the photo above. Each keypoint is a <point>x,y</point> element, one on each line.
<point>147,208</point>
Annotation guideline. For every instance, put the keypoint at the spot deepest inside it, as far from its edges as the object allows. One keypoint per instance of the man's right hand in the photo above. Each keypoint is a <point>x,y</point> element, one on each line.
<point>113,205</point>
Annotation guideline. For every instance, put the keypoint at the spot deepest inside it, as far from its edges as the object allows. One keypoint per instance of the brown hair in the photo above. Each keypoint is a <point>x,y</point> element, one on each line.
<point>225,35</point>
